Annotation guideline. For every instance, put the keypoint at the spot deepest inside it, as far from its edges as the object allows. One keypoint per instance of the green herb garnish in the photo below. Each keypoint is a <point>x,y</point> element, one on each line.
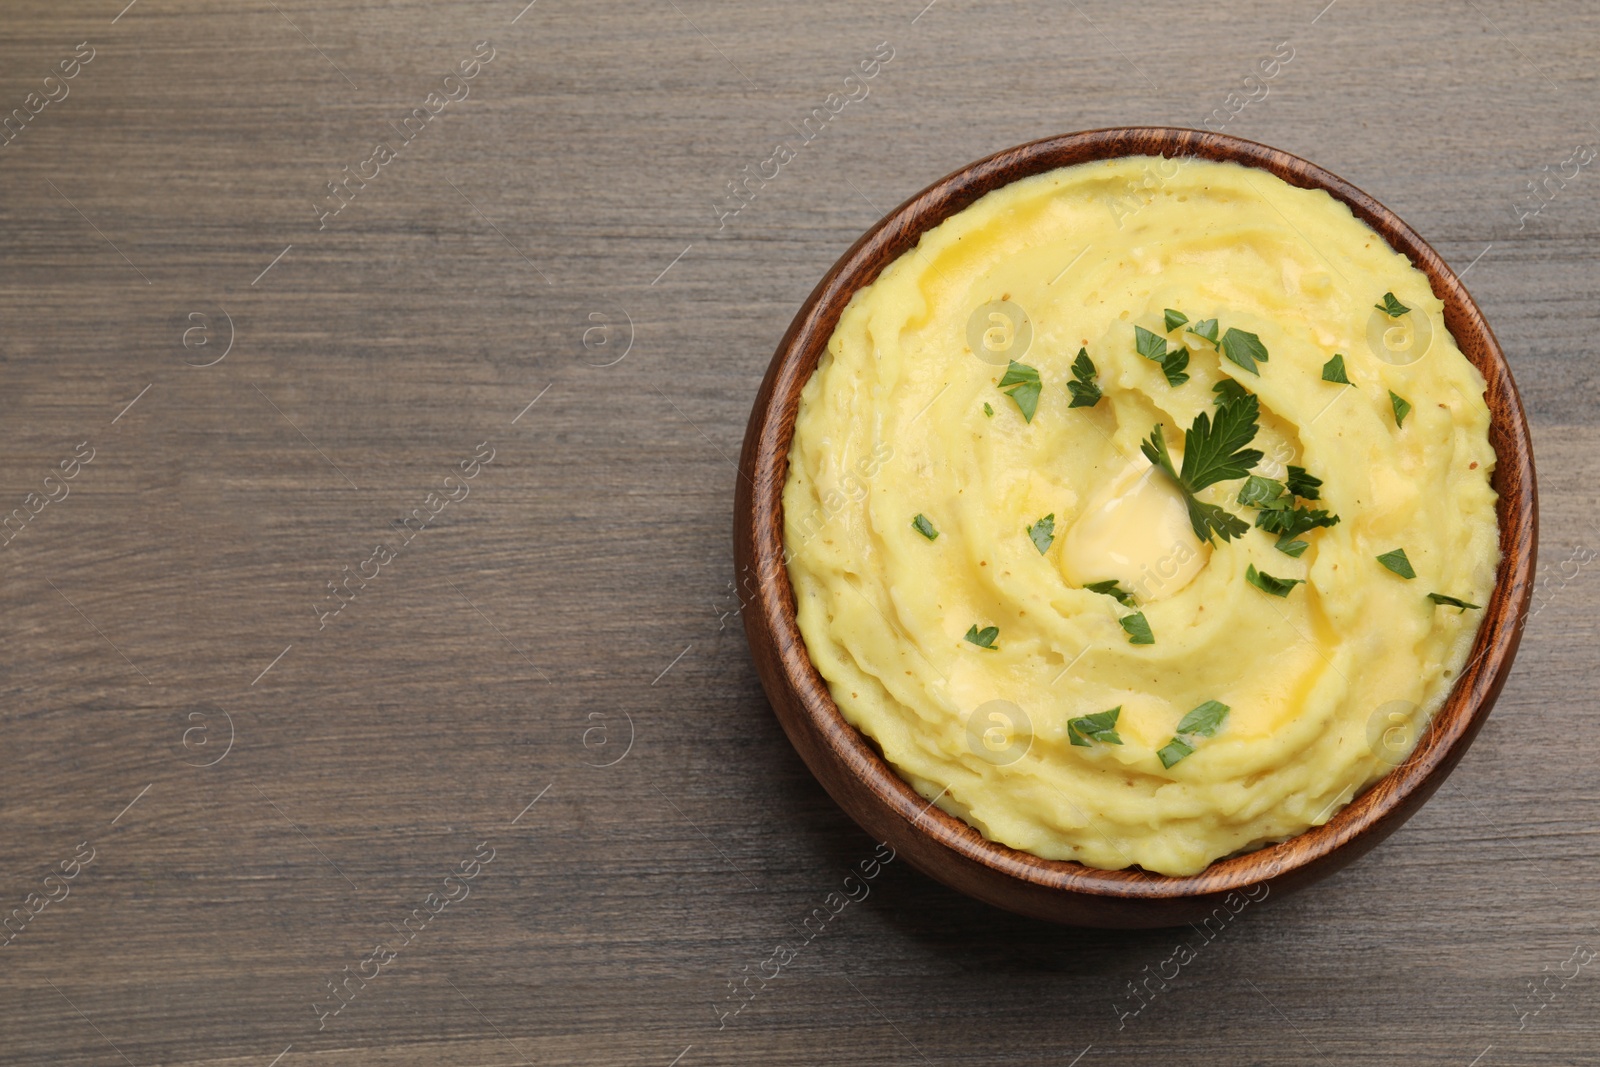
<point>1303,485</point>
<point>1289,522</point>
<point>1109,588</point>
<point>1174,319</point>
<point>1333,370</point>
<point>1291,548</point>
<point>1397,562</point>
<point>1150,345</point>
<point>1450,601</point>
<point>1244,349</point>
<point>1138,628</point>
<point>1268,584</point>
<point>924,527</point>
<point>1101,726</point>
<point>987,410</point>
<point>1206,330</point>
<point>1043,532</point>
<point>1402,408</point>
<point>1212,452</point>
<point>1085,392</point>
<point>1391,307</point>
<point>983,638</point>
<point>1021,383</point>
<point>1259,492</point>
<point>1203,721</point>
<point>1173,751</point>
<point>1153,346</point>
<point>1228,389</point>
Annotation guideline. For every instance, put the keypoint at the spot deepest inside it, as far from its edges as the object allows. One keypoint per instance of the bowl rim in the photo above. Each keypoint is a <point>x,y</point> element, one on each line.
<point>768,598</point>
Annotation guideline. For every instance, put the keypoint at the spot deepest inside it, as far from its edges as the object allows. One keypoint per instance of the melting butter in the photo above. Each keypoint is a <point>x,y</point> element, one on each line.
<point>1135,529</point>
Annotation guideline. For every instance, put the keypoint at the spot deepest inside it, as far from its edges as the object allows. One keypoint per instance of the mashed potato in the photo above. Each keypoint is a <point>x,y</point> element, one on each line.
<point>948,506</point>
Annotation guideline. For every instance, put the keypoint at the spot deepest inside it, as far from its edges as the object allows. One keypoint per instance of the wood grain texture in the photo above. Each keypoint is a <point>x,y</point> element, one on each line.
<point>372,758</point>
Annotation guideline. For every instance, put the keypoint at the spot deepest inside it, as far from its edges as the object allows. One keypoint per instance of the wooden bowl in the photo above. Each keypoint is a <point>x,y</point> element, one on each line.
<point>850,767</point>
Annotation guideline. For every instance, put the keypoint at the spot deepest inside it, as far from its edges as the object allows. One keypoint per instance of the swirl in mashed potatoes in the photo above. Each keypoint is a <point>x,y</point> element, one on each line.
<point>945,516</point>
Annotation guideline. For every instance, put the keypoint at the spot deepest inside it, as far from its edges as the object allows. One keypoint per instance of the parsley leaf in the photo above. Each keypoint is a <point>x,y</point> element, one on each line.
<point>987,410</point>
<point>1174,751</point>
<point>1402,408</point>
<point>1291,548</point>
<point>1244,349</point>
<point>1153,346</point>
<point>924,527</point>
<point>1228,389</point>
<point>1205,720</point>
<point>1303,485</point>
<point>1043,532</point>
<point>1397,562</point>
<point>1440,598</point>
<point>1173,366</point>
<point>1174,319</point>
<point>1268,584</point>
<point>1085,392</point>
<point>983,638</point>
<point>1138,628</point>
<point>1258,492</point>
<point>1289,522</point>
<point>1213,452</point>
<point>1391,307</point>
<point>1109,588</point>
<point>1101,726</point>
<point>1206,330</point>
<point>1333,370</point>
<point>1021,383</point>
<point>1150,345</point>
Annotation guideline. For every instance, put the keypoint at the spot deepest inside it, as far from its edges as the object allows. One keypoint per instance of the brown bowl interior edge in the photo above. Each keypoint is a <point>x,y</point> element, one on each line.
<point>945,847</point>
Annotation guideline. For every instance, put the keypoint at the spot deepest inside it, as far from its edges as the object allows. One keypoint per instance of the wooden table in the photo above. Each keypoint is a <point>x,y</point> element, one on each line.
<point>393,607</point>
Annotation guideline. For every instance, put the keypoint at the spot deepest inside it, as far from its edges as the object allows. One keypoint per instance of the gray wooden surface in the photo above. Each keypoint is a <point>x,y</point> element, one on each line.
<point>566,632</point>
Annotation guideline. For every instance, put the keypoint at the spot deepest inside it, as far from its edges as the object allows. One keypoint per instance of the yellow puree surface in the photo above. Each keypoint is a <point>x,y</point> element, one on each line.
<point>1320,684</point>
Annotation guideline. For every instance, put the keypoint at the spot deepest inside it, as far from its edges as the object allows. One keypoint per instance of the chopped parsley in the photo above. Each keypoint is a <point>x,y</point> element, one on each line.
<point>924,527</point>
<point>987,410</point>
<point>1391,307</point>
<point>1206,330</point>
<point>1021,383</point>
<point>1138,628</point>
<point>1290,522</point>
<point>1173,751</point>
<point>1303,485</point>
<point>1153,346</point>
<point>1043,532</point>
<point>983,638</point>
<point>1213,451</point>
<point>1085,392</point>
<point>1402,408</point>
<point>1109,588</point>
<point>1259,492</point>
<point>1450,601</point>
<point>1244,349</point>
<point>1333,370</point>
<point>1227,389</point>
<point>1280,513</point>
<point>1174,319</point>
<point>1268,584</point>
<point>1397,562</point>
<point>1203,721</point>
<point>1101,726</point>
